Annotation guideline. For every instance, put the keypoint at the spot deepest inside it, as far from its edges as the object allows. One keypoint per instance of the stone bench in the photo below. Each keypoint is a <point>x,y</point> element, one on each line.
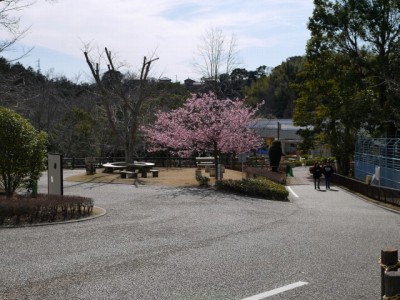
<point>154,172</point>
<point>205,161</point>
<point>110,167</point>
<point>128,174</point>
<point>205,164</point>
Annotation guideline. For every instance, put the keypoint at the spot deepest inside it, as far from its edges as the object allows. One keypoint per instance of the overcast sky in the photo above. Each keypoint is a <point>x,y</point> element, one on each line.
<point>267,32</point>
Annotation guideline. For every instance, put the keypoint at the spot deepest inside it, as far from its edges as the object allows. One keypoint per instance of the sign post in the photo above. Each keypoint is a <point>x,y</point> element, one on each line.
<point>55,174</point>
<point>242,159</point>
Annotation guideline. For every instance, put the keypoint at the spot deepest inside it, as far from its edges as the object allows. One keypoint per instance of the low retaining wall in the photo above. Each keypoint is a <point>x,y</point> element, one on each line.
<point>279,177</point>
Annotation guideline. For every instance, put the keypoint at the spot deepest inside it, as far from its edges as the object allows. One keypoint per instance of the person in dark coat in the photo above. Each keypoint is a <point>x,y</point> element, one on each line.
<point>328,170</point>
<point>317,173</point>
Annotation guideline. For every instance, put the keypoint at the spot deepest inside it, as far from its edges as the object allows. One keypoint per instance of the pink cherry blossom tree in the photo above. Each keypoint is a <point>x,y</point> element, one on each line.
<point>204,124</point>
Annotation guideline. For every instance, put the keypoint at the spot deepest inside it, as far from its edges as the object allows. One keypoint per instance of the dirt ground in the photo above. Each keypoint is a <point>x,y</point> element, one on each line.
<point>166,176</point>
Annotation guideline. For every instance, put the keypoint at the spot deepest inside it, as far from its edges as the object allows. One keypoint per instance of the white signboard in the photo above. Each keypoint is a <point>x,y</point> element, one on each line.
<point>377,173</point>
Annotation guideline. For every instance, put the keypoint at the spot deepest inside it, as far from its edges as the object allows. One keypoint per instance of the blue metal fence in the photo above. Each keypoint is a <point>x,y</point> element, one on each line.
<point>380,157</point>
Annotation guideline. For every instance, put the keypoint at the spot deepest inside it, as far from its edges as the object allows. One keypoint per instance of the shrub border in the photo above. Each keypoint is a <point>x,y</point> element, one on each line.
<point>97,213</point>
<point>243,187</point>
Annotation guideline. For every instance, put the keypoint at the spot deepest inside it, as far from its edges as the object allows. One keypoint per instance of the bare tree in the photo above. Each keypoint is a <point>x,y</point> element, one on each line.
<point>122,98</point>
<point>216,54</point>
<point>10,24</point>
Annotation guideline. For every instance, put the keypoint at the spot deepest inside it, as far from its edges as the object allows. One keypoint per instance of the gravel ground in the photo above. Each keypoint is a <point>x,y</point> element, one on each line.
<point>118,256</point>
<point>158,242</point>
<point>166,177</point>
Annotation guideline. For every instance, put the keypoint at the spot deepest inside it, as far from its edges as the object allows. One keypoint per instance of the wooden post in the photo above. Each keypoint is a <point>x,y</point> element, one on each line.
<point>392,284</point>
<point>389,257</point>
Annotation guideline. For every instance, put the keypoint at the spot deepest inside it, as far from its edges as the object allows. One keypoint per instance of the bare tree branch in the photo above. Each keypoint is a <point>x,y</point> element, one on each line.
<point>122,99</point>
<point>216,54</point>
<point>9,23</point>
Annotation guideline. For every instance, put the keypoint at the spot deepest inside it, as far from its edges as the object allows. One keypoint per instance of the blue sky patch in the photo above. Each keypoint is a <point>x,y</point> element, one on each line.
<point>183,12</point>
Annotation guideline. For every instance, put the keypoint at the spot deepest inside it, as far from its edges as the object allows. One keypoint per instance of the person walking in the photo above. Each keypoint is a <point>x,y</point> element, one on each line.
<point>328,170</point>
<point>317,172</point>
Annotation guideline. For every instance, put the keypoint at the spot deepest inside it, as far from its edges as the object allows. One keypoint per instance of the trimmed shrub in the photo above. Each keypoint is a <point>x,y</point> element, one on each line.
<point>297,163</point>
<point>311,162</point>
<point>258,187</point>
<point>293,163</point>
<point>203,181</point>
<point>320,159</point>
<point>22,152</point>
<point>20,209</point>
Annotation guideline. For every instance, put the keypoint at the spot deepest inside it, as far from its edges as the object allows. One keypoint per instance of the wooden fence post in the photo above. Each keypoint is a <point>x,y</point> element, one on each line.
<point>389,257</point>
<point>392,284</point>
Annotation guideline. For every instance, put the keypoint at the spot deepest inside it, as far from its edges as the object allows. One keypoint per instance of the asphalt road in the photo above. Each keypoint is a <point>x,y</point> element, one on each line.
<point>182,243</point>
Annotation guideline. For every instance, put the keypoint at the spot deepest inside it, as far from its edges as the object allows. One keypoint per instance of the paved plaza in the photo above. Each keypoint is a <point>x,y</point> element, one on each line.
<point>159,242</point>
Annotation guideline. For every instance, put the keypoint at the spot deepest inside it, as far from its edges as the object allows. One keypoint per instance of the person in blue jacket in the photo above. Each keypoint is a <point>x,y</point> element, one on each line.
<point>328,170</point>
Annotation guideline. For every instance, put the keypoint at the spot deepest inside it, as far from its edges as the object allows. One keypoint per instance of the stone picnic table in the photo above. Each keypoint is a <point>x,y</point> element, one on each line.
<point>143,168</point>
<point>129,170</point>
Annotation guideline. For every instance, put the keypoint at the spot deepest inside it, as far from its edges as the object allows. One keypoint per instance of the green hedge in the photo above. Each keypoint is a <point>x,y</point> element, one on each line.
<point>295,163</point>
<point>203,181</point>
<point>320,159</point>
<point>311,162</point>
<point>258,187</point>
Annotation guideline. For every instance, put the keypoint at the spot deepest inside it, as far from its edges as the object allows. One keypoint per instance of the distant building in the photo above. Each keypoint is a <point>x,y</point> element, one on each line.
<point>165,79</point>
<point>279,129</point>
<point>189,82</point>
<point>286,132</point>
<point>192,85</point>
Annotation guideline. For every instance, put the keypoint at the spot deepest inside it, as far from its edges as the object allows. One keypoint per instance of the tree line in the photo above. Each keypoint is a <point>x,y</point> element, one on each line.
<point>345,87</point>
<point>92,119</point>
<point>350,82</point>
<point>102,118</point>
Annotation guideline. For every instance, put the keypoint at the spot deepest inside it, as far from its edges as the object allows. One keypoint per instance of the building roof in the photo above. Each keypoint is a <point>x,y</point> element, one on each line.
<point>165,79</point>
<point>268,128</point>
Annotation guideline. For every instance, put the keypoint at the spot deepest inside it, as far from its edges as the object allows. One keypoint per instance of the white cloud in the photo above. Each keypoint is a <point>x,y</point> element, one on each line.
<point>134,28</point>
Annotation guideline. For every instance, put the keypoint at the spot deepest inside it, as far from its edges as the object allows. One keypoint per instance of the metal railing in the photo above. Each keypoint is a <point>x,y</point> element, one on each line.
<point>382,194</point>
<point>79,162</point>
<point>76,163</point>
<point>382,153</point>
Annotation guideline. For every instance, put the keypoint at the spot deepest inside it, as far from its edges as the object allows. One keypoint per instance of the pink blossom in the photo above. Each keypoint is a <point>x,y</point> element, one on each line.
<point>204,123</point>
